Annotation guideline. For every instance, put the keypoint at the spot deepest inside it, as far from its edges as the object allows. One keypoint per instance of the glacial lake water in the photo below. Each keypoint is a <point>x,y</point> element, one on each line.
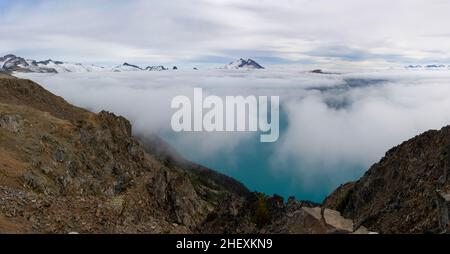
<point>255,164</point>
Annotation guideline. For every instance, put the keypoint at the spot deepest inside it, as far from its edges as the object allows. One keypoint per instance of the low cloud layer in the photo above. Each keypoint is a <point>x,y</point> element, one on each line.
<point>333,128</point>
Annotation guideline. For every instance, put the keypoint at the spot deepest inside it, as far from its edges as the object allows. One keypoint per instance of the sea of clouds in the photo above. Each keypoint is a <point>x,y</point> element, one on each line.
<point>335,125</point>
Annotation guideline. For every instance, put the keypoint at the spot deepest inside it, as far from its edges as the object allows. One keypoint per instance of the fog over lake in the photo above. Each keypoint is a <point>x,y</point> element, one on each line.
<point>333,126</point>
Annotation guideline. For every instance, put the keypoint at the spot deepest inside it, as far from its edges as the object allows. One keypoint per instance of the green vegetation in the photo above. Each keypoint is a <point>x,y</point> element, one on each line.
<point>261,216</point>
<point>343,201</point>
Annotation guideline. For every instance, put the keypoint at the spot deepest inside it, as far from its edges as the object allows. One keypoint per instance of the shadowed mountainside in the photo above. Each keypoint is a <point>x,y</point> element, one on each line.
<point>407,191</point>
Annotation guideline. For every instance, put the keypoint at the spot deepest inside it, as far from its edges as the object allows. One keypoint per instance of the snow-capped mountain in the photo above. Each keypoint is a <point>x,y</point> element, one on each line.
<point>156,68</point>
<point>428,66</point>
<point>127,67</point>
<point>131,67</point>
<point>413,66</point>
<point>62,67</point>
<point>243,64</point>
<point>12,63</point>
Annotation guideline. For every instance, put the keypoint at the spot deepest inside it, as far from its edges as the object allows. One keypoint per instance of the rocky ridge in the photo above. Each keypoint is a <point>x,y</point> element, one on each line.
<point>407,191</point>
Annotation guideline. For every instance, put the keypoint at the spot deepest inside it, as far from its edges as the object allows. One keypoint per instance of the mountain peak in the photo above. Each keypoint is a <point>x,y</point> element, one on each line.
<point>10,56</point>
<point>244,64</point>
<point>127,67</point>
<point>131,65</point>
<point>46,62</point>
<point>156,68</point>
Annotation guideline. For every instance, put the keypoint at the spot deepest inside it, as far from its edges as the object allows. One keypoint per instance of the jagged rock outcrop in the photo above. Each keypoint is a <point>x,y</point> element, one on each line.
<point>406,192</point>
<point>64,169</point>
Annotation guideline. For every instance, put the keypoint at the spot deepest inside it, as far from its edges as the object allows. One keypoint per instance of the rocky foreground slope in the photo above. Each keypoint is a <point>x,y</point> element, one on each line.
<point>408,191</point>
<point>64,169</point>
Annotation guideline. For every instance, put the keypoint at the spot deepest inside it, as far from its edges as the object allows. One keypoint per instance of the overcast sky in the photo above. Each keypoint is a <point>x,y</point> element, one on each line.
<point>216,31</point>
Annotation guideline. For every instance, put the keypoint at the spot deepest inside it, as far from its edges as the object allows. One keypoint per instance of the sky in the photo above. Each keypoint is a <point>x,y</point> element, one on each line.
<point>319,32</point>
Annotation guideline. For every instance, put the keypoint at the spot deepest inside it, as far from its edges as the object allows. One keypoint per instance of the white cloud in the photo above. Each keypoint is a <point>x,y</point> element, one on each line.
<point>189,31</point>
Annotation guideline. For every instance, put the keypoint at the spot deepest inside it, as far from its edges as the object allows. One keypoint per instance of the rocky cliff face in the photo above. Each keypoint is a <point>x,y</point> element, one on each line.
<point>406,192</point>
<point>64,169</point>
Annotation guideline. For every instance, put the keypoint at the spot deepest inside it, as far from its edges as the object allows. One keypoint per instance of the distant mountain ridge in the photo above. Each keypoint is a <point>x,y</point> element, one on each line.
<point>243,64</point>
<point>12,63</point>
<point>427,66</point>
<point>156,68</point>
<point>127,67</point>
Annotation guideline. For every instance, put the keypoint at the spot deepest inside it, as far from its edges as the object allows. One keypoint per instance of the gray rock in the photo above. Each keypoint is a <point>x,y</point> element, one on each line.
<point>13,123</point>
<point>34,181</point>
<point>59,155</point>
